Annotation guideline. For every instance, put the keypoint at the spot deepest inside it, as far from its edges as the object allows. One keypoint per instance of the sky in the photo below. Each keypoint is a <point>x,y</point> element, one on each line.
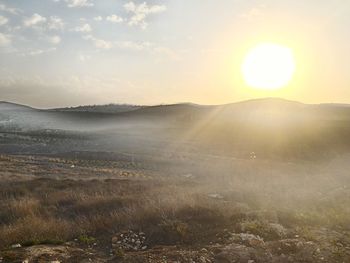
<point>56,53</point>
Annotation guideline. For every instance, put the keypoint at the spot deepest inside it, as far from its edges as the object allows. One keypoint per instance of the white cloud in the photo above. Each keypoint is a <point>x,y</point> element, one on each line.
<point>38,52</point>
<point>148,47</point>
<point>83,57</point>
<point>84,28</point>
<point>102,44</point>
<point>10,10</point>
<point>99,43</point>
<point>55,23</point>
<point>5,40</point>
<point>42,23</point>
<point>78,3</point>
<point>34,20</point>
<point>114,19</point>
<point>54,40</point>
<point>132,45</point>
<point>3,20</point>
<point>98,18</point>
<point>139,13</point>
<point>105,44</point>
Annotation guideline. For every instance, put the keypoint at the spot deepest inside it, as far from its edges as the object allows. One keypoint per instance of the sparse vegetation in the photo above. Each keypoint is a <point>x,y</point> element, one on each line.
<point>175,210</point>
<point>167,183</point>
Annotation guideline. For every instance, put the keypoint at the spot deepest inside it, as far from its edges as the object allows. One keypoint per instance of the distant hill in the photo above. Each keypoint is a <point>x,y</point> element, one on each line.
<point>269,127</point>
<point>4,105</point>
<point>109,108</point>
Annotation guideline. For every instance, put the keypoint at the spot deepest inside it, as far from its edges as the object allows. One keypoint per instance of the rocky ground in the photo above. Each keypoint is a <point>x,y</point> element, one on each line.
<point>232,247</point>
<point>118,212</point>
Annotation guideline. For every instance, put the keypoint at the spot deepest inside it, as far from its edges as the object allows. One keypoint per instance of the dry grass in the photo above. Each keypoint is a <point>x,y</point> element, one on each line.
<point>46,209</point>
<point>171,210</point>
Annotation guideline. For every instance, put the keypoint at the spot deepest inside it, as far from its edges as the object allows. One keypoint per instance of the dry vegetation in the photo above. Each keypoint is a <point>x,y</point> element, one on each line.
<point>304,203</point>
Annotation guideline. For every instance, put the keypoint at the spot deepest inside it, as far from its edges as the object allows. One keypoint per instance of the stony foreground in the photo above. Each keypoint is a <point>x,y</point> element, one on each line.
<point>66,210</point>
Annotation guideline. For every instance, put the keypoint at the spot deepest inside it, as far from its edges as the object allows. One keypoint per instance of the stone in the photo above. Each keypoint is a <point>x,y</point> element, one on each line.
<point>16,246</point>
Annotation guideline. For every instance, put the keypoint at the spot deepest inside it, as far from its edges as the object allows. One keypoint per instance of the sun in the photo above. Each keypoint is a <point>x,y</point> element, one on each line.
<point>268,66</point>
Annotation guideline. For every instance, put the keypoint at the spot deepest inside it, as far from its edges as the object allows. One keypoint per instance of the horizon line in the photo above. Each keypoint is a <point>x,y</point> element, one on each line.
<point>171,104</point>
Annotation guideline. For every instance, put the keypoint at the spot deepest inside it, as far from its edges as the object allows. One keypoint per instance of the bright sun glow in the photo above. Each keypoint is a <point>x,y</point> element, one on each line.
<point>268,66</point>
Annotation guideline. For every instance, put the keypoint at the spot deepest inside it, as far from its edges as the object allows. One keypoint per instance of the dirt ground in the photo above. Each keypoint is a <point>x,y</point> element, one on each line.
<point>69,209</point>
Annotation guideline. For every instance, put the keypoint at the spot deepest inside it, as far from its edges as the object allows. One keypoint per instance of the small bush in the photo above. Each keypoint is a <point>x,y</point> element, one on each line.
<point>266,230</point>
<point>86,240</point>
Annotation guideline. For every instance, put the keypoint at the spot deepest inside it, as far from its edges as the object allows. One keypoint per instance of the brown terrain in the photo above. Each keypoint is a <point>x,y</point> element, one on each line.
<point>257,181</point>
<point>56,209</point>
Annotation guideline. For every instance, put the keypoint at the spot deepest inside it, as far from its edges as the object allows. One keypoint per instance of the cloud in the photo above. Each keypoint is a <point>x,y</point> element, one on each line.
<point>42,23</point>
<point>84,28</point>
<point>10,10</point>
<point>5,40</point>
<point>130,45</point>
<point>55,23</point>
<point>37,52</point>
<point>34,20</point>
<point>99,43</point>
<point>148,47</point>
<point>84,58</point>
<point>3,20</point>
<point>139,13</point>
<point>41,51</point>
<point>79,3</point>
<point>54,40</point>
<point>105,44</point>
<point>114,19</point>
<point>98,18</point>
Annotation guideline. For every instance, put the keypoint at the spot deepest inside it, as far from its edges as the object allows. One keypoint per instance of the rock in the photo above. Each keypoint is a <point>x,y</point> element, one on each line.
<point>188,175</point>
<point>216,196</point>
<point>278,229</point>
<point>235,253</point>
<point>129,241</point>
<point>248,239</point>
<point>16,246</point>
<point>285,246</point>
<point>202,259</point>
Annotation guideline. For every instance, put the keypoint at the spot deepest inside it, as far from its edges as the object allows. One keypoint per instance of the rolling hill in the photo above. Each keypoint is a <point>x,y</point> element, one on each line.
<point>271,128</point>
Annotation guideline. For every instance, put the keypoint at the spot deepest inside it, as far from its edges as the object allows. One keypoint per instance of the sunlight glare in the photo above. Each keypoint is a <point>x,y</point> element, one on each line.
<point>268,66</point>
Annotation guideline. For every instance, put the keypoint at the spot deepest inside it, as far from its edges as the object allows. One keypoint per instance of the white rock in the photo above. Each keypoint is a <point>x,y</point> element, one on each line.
<point>16,246</point>
<point>216,196</point>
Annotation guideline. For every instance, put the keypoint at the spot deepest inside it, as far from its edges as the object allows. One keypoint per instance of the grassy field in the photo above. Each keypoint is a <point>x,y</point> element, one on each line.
<point>276,212</point>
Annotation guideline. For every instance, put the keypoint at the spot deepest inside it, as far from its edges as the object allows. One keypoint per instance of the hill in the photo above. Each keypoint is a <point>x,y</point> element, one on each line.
<point>108,108</point>
<point>271,128</point>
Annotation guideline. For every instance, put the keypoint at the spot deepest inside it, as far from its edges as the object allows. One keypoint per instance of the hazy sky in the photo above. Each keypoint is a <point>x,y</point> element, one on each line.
<point>70,52</point>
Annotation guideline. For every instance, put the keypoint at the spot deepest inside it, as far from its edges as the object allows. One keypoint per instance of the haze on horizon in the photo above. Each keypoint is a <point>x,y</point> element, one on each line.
<point>57,53</point>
